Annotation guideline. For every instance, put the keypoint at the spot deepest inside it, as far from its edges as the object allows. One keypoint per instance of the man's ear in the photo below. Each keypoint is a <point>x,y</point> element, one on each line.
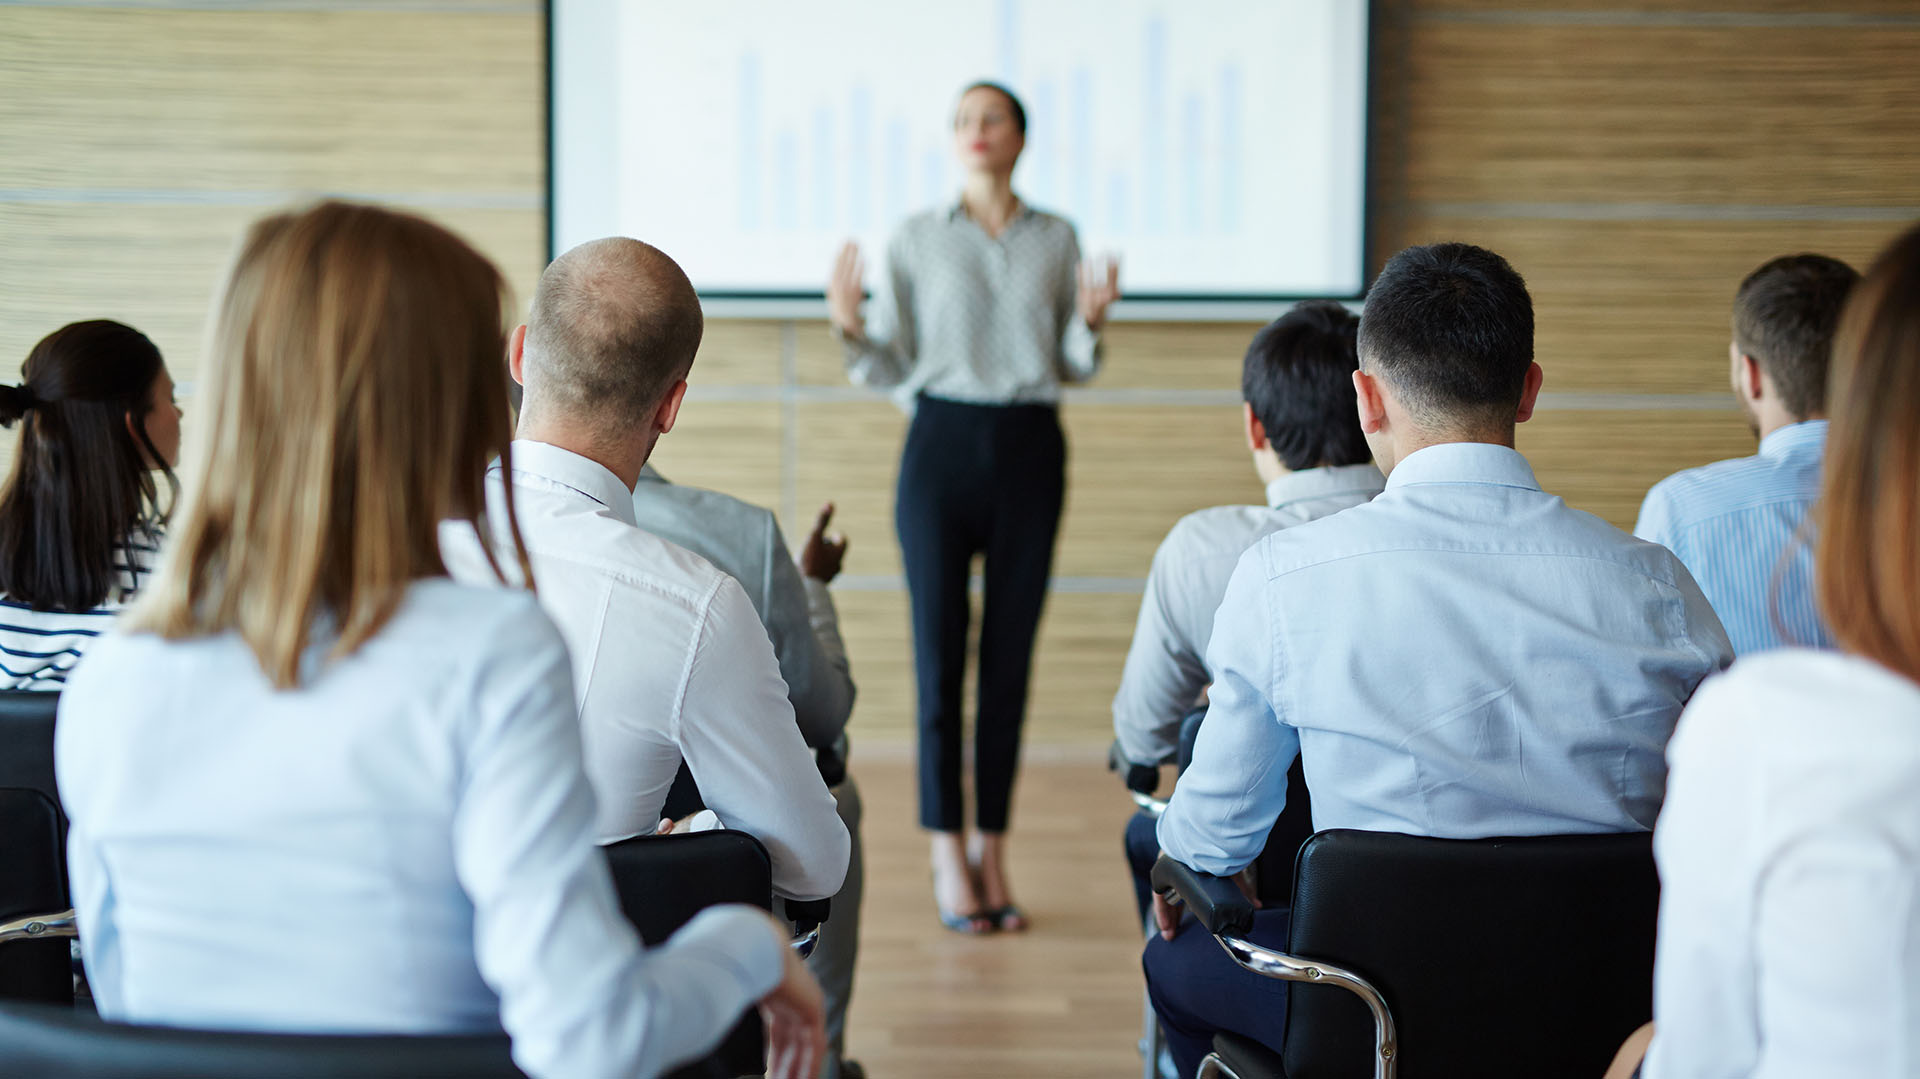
<point>669,409</point>
<point>1256,431</point>
<point>517,354</point>
<point>1752,379</point>
<point>1368,401</point>
<point>1529,393</point>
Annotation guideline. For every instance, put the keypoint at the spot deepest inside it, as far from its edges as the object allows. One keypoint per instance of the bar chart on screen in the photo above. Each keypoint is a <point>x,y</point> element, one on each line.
<point>1216,145</point>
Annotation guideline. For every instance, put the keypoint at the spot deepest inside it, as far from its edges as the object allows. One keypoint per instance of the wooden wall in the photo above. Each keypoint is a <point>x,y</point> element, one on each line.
<point>1633,160</point>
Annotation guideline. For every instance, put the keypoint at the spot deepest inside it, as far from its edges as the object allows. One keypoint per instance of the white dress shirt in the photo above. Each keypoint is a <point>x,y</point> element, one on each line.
<point>1464,656</point>
<point>1789,855</point>
<point>964,316</point>
<point>744,541</point>
<point>403,844</point>
<point>670,662</point>
<point>1166,666</point>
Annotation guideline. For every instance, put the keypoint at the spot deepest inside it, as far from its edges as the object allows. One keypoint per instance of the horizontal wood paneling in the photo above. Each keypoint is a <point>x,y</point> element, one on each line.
<point>738,352</point>
<point>364,100</point>
<point>1603,462</point>
<point>848,453</point>
<point>157,267</point>
<point>727,446</point>
<point>1552,113</point>
<point>1642,306</point>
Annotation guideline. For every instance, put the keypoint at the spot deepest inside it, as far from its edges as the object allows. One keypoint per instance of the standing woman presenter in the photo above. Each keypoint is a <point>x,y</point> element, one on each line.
<point>983,311</point>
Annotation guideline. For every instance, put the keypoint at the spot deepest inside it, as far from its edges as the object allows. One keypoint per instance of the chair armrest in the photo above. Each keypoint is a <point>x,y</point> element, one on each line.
<point>1217,901</point>
<point>40,927</point>
<point>1139,778</point>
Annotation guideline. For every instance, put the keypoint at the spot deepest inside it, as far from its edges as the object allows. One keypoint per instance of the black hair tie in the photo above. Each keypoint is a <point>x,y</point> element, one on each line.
<point>16,401</point>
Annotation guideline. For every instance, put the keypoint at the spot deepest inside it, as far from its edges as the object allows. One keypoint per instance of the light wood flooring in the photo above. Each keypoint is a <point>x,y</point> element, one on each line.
<point>1062,999</point>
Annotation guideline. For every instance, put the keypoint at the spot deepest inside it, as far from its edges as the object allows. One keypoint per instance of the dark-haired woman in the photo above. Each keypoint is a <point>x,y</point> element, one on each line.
<point>983,311</point>
<point>80,515</point>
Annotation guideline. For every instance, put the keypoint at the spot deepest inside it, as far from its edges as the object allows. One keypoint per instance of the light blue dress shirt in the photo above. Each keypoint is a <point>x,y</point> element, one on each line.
<point>403,844</point>
<point>1464,656</point>
<point>1735,524</point>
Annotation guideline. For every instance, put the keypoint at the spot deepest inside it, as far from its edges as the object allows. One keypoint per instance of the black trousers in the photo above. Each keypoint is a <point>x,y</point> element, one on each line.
<point>976,479</point>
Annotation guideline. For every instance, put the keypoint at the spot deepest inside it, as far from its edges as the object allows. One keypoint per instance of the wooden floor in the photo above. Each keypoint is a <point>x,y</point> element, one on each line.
<point>1062,999</point>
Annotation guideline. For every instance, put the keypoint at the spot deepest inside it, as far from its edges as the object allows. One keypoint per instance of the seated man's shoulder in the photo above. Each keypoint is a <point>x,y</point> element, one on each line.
<point>1710,488</point>
<point>1218,528</point>
<point>713,511</point>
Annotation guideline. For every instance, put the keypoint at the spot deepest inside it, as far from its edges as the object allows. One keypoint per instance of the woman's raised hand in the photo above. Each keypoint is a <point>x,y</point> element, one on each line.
<point>845,290</point>
<point>1099,286</point>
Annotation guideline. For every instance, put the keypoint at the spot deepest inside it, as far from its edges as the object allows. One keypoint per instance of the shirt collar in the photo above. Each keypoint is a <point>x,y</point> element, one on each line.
<point>1311,484</point>
<point>1805,437</point>
<point>1464,462</point>
<point>569,472</point>
<point>957,210</point>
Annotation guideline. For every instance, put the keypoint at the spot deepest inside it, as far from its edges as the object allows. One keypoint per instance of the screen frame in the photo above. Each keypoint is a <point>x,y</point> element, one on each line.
<point>1132,307</point>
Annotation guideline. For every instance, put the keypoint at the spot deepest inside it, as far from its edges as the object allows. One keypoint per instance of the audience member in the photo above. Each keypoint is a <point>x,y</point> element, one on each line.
<point>744,541</point>
<point>1297,383</point>
<point>670,661</point>
<point>1790,893</point>
<point>1464,656</point>
<point>316,786</point>
<point>1736,523</point>
<point>80,516</point>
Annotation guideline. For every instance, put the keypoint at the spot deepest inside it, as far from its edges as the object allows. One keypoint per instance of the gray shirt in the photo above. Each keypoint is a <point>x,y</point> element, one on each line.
<point>1166,665</point>
<point>745,542</point>
<point>965,316</point>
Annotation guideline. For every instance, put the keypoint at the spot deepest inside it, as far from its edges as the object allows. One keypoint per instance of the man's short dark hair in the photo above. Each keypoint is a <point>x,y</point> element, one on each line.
<point>1450,328</point>
<point>1784,315</point>
<point>1298,376</point>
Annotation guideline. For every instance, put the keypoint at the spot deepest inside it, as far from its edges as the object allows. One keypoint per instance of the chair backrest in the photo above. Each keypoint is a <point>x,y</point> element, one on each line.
<point>663,881</point>
<point>57,1043</point>
<point>33,862</point>
<point>1497,957</point>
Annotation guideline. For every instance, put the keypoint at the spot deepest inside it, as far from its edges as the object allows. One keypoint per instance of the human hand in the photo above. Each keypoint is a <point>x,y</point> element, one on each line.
<point>795,1015</point>
<point>1166,908</point>
<point>845,291</point>
<point>1097,288</point>
<point>823,553</point>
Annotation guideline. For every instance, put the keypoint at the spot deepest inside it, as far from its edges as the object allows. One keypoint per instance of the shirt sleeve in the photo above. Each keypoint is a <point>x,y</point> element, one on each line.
<point>884,355</point>
<point>1164,672</point>
<point>1080,351</point>
<point>1225,803</point>
<point>736,730</point>
<point>577,993</point>
<point>805,630</point>
<point>1656,524</point>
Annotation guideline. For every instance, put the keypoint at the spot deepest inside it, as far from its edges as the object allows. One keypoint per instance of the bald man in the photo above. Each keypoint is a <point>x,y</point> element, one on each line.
<point>670,661</point>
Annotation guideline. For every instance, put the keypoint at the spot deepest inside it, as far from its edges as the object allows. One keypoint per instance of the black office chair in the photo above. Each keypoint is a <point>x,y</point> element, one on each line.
<point>1422,957</point>
<point>35,914</point>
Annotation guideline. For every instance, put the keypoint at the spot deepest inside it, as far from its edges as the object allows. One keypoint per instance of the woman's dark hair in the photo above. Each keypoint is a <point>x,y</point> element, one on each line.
<point>1013,103</point>
<point>82,483</point>
<point>1298,376</point>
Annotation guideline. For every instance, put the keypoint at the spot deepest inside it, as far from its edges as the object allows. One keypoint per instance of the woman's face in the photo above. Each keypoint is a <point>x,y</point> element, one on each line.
<point>163,420</point>
<point>985,137</point>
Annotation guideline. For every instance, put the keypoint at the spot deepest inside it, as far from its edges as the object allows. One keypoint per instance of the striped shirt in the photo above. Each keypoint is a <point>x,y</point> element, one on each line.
<point>964,316</point>
<point>1735,525</point>
<point>38,648</point>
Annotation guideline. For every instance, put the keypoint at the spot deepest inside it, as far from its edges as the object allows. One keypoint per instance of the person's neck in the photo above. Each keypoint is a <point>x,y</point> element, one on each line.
<point>622,457</point>
<point>1410,441</point>
<point>988,198</point>
<point>1774,421</point>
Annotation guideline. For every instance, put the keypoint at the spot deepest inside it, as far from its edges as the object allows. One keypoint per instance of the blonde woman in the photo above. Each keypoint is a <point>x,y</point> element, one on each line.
<point>314,784</point>
<point>1789,846</point>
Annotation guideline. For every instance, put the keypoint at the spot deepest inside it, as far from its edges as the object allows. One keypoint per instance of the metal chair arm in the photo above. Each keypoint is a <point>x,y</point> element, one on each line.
<point>1292,968</point>
<point>40,927</point>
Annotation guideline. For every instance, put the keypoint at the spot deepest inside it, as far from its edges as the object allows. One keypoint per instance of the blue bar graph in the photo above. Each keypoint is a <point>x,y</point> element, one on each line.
<point>749,179</point>
<point>1153,124</point>
<point>860,159</point>
<point>867,165</point>
<point>786,181</point>
<point>1231,161</point>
